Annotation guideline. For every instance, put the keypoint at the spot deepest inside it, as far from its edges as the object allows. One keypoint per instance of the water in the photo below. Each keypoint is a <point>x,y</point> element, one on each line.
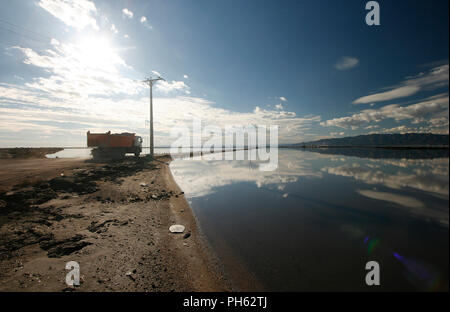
<point>71,153</point>
<point>314,223</point>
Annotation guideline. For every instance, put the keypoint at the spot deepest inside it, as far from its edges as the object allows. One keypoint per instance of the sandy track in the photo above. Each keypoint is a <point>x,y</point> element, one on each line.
<point>15,171</point>
<point>116,229</point>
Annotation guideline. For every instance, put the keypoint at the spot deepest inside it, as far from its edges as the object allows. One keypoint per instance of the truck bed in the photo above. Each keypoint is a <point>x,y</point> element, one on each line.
<point>110,140</point>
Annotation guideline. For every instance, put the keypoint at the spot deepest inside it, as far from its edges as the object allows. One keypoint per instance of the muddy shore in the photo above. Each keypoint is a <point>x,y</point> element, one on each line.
<point>111,218</point>
<point>27,152</point>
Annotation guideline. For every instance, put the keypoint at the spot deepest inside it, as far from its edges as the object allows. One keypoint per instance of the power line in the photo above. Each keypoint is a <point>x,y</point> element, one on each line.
<point>23,32</point>
<point>23,35</point>
<point>24,28</point>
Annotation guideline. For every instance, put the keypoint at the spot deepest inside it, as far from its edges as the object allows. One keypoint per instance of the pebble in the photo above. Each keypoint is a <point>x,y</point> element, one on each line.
<point>176,228</point>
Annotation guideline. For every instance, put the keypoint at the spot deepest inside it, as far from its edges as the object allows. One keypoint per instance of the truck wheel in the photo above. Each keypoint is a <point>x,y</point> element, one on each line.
<point>97,154</point>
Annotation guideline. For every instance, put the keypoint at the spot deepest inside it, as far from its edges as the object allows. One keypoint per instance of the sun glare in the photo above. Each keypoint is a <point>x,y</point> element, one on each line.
<point>97,52</point>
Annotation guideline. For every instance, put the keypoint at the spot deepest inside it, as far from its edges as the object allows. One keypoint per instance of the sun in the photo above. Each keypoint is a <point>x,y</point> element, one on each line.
<point>97,52</point>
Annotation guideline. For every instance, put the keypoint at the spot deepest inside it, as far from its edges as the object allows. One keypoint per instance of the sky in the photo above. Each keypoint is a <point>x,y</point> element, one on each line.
<point>314,68</point>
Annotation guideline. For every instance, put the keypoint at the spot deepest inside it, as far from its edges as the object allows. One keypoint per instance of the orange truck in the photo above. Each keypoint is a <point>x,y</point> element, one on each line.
<point>115,146</point>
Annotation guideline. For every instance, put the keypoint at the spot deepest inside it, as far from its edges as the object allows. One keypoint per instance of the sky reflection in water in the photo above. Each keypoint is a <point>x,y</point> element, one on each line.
<point>314,222</point>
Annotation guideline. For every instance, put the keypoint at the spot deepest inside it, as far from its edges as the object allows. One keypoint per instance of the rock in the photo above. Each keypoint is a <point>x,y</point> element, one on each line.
<point>97,227</point>
<point>176,228</point>
<point>134,199</point>
<point>66,249</point>
<point>70,185</point>
<point>24,238</point>
<point>130,275</point>
<point>43,185</point>
<point>143,184</point>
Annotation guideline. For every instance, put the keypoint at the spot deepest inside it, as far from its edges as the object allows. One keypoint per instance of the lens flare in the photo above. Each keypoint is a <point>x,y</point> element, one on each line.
<point>371,244</point>
<point>419,274</point>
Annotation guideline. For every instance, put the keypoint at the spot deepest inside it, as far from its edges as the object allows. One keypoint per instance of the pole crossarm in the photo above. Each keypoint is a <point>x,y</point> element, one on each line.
<point>150,82</point>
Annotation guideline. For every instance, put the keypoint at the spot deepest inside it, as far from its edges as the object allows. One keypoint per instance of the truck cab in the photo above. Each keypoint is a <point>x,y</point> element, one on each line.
<point>138,142</point>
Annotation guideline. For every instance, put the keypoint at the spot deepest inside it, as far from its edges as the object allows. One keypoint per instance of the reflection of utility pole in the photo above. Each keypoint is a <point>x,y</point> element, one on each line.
<point>150,83</point>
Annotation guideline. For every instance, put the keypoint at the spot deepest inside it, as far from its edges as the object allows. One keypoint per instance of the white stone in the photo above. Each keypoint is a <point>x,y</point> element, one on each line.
<point>177,228</point>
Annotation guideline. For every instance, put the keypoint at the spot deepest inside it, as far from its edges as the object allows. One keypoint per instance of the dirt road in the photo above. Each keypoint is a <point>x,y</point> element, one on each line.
<point>112,219</point>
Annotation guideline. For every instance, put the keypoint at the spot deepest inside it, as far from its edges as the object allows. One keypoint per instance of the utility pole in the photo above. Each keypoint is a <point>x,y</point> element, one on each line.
<point>150,82</point>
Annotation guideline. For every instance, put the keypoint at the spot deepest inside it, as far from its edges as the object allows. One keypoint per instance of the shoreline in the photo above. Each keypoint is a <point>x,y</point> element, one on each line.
<point>117,230</point>
<point>235,274</point>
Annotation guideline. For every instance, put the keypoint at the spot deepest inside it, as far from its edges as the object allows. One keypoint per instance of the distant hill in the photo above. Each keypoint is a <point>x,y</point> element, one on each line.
<point>380,140</point>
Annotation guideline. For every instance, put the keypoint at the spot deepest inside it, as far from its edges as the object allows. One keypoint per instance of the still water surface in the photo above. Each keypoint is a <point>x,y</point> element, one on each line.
<point>314,223</point>
<point>86,152</point>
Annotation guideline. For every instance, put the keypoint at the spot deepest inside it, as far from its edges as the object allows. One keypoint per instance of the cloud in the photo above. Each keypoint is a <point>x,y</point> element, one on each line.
<point>126,36</point>
<point>214,173</point>
<point>430,114</point>
<point>156,73</point>
<point>408,129</point>
<point>282,98</point>
<point>279,106</point>
<point>74,13</point>
<point>433,79</point>
<point>29,110</point>
<point>347,62</point>
<point>127,13</point>
<point>144,21</point>
<point>88,68</point>
<point>168,87</point>
<point>401,200</point>
<point>114,29</point>
<point>87,85</point>
<point>388,95</point>
<point>398,178</point>
<point>426,110</point>
<point>185,76</point>
<point>35,107</point>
